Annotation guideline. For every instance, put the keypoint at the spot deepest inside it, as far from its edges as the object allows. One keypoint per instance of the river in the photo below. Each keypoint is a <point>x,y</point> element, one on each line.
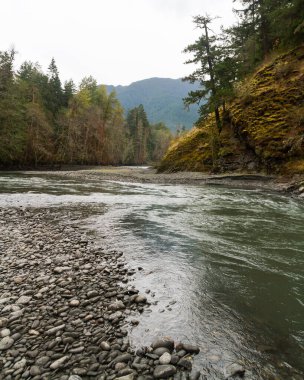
<point>223,267</point>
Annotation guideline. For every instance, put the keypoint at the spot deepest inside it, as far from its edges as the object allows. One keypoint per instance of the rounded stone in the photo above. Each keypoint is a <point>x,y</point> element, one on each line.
<point>5,332</point>
<point>74,303</point>
<point>35,370</point>
<point>165,358</point>
<point>164,371</point>
<point>6,343</point>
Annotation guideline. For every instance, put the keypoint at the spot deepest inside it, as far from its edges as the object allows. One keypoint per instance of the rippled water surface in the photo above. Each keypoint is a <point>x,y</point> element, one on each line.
<point>226,265</point>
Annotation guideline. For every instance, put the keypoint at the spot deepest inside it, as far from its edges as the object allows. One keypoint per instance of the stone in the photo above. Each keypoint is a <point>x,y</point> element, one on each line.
<point>105,346</point>
<point>141,298</point>
<point>164,371</point>
<point>118,305</point>
<point>6,343</point>
<point>163,342</point>
<point>23,300</point>
<point>127,377</point>
<point>165,358</point>
<point>74,377</point>
<point>59,362</point>
<point>20,364</point>
<point>191,349</point>
<point>117,314</point>
<point>185,363</point>
<point>53,330</point>
<point>124,358</point>
<point>161,350</point>
<point>42,361</point>
<point>5,332</point>
<point>74,303</point>
<point>120,366</point>
<point>35,370</point>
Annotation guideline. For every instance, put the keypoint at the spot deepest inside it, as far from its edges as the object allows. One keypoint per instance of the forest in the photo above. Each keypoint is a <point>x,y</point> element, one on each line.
<point>264,28</point>
<point>43,122</point>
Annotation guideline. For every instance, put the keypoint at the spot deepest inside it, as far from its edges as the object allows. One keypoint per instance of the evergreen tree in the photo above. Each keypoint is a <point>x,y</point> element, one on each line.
<point>214,72</point>
<point>54,91</point>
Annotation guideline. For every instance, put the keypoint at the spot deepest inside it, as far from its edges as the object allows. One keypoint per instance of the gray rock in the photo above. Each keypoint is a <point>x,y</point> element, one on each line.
<point>124,358</point>
<point>20,364</point>
<point>74,377</point>
<point>161,350</point>
<point>191,349</point>
<point>24,300</point>
<point>163,342</point>
<point>4,333</point>
<point>35,370</point>
<point>164,371</point>
<point>118,305</point>
<point>165,358</point>
<point>6,343</point>
<point>127,377</point>
<point>42,361</point>
<point>141,298</point>
<point>105,346</point>
<point>185,363</point>
<point>53,330</point>
<point>59,362</point>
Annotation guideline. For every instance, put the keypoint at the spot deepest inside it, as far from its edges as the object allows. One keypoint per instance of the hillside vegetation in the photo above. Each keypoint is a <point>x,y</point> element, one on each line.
<point>162,99</point>
<point>263,126</point>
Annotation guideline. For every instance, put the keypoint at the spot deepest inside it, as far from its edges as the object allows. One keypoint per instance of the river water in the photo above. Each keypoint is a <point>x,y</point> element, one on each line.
<point>223,267</point>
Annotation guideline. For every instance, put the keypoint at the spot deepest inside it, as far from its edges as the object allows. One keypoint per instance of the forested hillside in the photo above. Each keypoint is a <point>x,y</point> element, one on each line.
<point>162,99</point>
<point>253,75</point>
<point>43,122</point>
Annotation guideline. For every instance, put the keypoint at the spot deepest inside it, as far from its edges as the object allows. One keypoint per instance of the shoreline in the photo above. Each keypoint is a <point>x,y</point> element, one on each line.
<point>66,305</point>
<point>288,185</point>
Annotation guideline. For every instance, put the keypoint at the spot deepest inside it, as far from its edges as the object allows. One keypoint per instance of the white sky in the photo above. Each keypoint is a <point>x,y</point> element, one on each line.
<point>115,41</point>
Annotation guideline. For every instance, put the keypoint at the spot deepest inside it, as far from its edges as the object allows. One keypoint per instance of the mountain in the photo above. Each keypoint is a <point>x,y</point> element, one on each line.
<point>162,99</point>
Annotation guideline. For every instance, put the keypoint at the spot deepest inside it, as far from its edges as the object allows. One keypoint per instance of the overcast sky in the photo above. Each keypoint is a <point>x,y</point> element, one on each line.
<point>115,41</point>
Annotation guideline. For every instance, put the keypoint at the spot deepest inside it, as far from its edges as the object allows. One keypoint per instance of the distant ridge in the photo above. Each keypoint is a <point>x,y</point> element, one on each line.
<point>162,99</point>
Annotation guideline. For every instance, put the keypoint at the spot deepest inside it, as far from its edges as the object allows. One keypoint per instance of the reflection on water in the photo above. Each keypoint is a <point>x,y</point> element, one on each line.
<point>226,265</point>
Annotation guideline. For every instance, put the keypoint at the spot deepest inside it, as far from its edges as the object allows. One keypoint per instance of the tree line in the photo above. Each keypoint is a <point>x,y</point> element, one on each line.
<point>264,27</point>
<point>45,122</point>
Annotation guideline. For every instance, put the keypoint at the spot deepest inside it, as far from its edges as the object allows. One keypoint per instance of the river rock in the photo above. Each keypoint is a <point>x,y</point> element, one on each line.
<point>165,358</point>
<point>5,332</point>
<point>124,358</point>
<point>20,364</point>
<point>74,377</point>
<point>59,362</point>
<point>185,363</point>
<point>6,343</point>
<point>141,298</point>
<point>127,377</point>
<point>23,300</point>
<point>164,371</point>
<point>163,342</point>
<point>74,303</point>
<point>161,350</point>
<point>191,349</point>
<point>118,305</point>
<point>35,370</point>
<point>105,346</point>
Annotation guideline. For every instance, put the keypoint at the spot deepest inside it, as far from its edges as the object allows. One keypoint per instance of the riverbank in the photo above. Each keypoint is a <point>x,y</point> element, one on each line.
<point>66,305</point>
<point>290,185</point>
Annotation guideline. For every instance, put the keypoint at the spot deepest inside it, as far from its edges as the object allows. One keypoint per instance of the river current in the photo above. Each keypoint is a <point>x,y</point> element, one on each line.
<point>223,267</point>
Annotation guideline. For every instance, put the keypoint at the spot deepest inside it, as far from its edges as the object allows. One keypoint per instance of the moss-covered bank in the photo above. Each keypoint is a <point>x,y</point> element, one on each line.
<point>263,127</point>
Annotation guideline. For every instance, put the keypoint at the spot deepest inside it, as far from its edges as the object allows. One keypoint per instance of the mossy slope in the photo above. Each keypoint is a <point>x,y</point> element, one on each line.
<point>263,126</point>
